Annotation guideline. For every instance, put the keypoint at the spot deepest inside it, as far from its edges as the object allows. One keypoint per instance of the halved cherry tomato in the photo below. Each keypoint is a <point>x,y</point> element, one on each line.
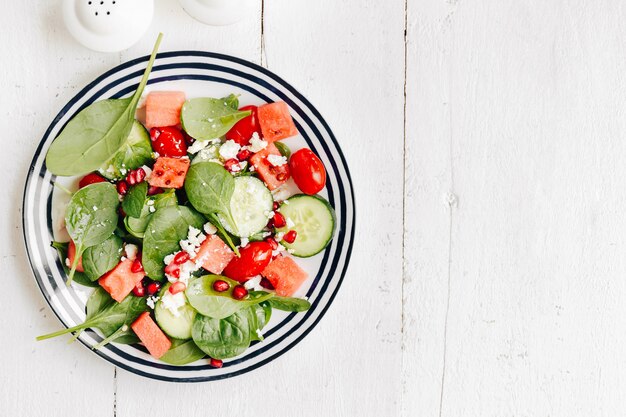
<point>168,141</point>
<point>307,171</point>
<point>242,131</point>
<point>89,179</point>
<point>253,260</point>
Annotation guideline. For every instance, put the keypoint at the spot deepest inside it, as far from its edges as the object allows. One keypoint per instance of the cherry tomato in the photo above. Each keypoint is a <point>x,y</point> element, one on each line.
<point>307,171</point>
<point>89,179</point>
<point>253,260</point>
<point>168,141</point>
<point>242,131</point>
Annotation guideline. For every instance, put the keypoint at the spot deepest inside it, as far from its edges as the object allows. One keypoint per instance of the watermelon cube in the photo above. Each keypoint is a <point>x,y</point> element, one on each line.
<point>71,253</point>
<point>121,280</point>
<point>151,335</point>
<point>163,108</point>
<point>276,122</point>
<point>214,254</point>
<point>169,172</point>
<point>273,176</point>
<point>285,275</point>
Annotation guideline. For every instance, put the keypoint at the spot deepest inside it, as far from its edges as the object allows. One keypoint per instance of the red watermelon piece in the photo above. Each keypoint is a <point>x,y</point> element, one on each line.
<point>121,280</point>
<point>214,254</point>
<point>71,253</point>
<point>273,176</point>
<point>276,122</point>
<point>169,172</point>
<point>285,275</point>
<point>151,335</point>
<point>163,108</point>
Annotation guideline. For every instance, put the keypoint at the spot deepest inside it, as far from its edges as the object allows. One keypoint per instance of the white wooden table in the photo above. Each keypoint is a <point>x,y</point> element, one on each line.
<point>486,143</point>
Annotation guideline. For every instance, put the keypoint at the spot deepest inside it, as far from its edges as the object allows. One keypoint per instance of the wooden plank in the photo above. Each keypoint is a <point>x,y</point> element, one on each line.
<point>41,70</point>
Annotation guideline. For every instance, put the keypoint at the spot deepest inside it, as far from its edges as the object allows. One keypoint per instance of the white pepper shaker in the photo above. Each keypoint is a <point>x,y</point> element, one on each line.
<point>107,25</point>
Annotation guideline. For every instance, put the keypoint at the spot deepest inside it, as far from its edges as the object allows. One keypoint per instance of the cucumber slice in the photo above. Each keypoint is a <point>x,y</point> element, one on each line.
<point>313,220</point>
<point>249,205</point>
<point>177,327</point>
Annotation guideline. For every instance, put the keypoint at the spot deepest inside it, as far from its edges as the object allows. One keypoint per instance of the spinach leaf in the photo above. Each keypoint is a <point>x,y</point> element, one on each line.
<point>135,199</point>
<point>283,149</point>
<point>165,230</point>
<point>111,318</point>
<point>218,305</point>
<point>79,277</point>
<point>91,218</point>
<point>209,118</point>
<point>182,352</point>
<point>260,315</point>
<point>222,338</point>
<point>222,233</point>
<point>101,258</point>
<point>135,152</point>
<point>95,135</point>
<point>97,301</point>
<point>295,305</point>
<point>136,226</point>
<point>231,101</point>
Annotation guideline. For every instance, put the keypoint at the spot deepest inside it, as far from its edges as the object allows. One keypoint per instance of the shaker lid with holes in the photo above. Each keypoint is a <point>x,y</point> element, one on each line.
<point>107,25</point>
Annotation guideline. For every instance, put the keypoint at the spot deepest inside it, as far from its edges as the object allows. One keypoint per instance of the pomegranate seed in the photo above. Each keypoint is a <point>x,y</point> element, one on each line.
<point>181,258</point>
<point>216,363</point>
<point>290,236</point>
<point>281,177</point>
<point>275,207</point>
<point>154,190</point>
<point>155,132</point>
<point>140,174</point>
<point>122,187</point>
<point>232,165</point>
<point>173,270</point>
<point>188,139</point>
<point>139,290</point>
<point>177,287</point>
<point>270,224</point>
<point>136,176</point>
<point>136,266</point>
<point>153,288</point>
<point>272,242</point>
<point>265,283</point>
<point>279,220</point>
<point>221,285</point>
<point>239,292</point>
<point>243,155</point>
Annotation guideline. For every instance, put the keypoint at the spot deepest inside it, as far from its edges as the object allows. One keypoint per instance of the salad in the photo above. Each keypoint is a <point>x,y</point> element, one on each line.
<point>186,222</point>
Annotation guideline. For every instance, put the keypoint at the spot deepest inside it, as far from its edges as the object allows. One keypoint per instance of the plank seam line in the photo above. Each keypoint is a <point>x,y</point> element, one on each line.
<point>404,269</point>
<point>115,391</point>
<point>263,53</point>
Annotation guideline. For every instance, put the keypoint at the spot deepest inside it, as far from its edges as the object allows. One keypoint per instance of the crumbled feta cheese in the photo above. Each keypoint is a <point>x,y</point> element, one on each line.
<point>279,236</point>
<point>256,143</point>
<point>259,334</point>
<point>198,145</point>
<point>173,302</point>
<point>193,241</point>
<point>266,234</point>
<point>123,171</point>
<point>131,251</point>
<point>123,258</point>
<point>95,208</point>
<point>244,242</point>
<point>229,149</point>
<point>252,168</point>
<point>151,209</point>
<point>278,250</point>
<point>277,160</point>
<point>254,284</point>
<point>281,193</point>
<point>269,214</point>
<point>290,251</point>
<point>147,170</point>
<point>150,202</point>
<point>169,258</point>
<point>151,301</point>
<point>111,169</point>
<point>290,223</point>
<point>209,229</point>
<point>68,263</point>
<point>243,165</point>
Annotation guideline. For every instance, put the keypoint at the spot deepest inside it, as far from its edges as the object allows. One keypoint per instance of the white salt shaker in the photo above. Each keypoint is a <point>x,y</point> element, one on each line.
<point>219,12</point>
<point>107,25</point>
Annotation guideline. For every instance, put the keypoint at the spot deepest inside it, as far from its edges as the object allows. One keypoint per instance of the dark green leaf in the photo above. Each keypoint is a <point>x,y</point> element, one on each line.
<point>182,352</point>
<point>231,101</point>
<point>79,277</point>
<point>136,226</point>
<point>135,199</point>
<point>289,304</point>
<point>165,230</point>
<point>134,153</point>
<point>95,135</point>
<point>101,258</point>
<point>225,338</point>
<point>283,149</point>
<point>209,118</point>
<point>209,188</point>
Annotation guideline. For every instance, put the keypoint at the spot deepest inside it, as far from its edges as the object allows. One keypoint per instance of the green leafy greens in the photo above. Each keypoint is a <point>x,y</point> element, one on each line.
<point>210,118</point>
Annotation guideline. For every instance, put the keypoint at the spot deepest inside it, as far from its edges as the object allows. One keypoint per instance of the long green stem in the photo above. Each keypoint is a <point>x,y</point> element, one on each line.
<point>146,74</point>
<point>112,337</point>
<point>218,224</point>
<point>62,188</point>
<point>64,331</point>
<point>77,255</point>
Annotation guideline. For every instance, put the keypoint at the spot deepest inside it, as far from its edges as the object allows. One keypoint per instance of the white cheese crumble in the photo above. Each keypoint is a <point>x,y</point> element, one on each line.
<point>95,208</point>
<point>150,202</point>
<point>290,223</point>
<point>243,165</point>
<point>278,250</point>
<point>244,242</point>
<point>68,263</point>
<point>279,236</point>
<point>193,241</point>
<point>151,301</point>
<point>259,333</point>
<point>277,160</point>
<point>173,302</point>
<point>254,284</point>
<point>257,144</point>
<point>198,145</point>
<point>147,170</point>
<point>168,259</point>
<point>151,209</point>
<point>131,251</point>
<point>229,149</point>
<point>209,229</point>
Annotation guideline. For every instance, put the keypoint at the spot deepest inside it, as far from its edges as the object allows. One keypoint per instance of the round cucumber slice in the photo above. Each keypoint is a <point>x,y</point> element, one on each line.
<point>313,219</point>
<point>250,204</point>
<point>135,152</point>
<point>177,327</point>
